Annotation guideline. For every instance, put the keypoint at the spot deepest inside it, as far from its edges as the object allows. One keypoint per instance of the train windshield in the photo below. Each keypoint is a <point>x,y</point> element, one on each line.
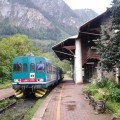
<point>40,67</point>
<point>17,67</point>
<point>32,67</point>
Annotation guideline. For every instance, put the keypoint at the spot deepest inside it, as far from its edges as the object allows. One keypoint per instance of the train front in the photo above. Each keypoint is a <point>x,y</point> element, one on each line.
<point>28,76</point>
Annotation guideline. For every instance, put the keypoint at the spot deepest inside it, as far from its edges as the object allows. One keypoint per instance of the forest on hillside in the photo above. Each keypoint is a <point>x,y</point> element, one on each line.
<point>7,28</point>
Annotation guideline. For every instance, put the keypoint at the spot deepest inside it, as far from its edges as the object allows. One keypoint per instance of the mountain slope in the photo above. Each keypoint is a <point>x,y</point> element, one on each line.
<point>39,19</point>
<point>85,14</point>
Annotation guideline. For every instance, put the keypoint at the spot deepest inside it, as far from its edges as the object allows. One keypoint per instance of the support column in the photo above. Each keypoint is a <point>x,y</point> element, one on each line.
<point>78,62</point>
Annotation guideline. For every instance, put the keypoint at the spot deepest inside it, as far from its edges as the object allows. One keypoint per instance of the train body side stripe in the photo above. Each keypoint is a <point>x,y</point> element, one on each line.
<point>33,82</point>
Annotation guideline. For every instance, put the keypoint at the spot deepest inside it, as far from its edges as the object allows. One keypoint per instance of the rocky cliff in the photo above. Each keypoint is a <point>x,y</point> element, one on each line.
<point>41,19</point>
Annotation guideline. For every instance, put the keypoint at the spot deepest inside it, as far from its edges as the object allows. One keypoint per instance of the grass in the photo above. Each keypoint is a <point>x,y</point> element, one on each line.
<point>5,84</point>
<point>10,114</point>
<point>5,102</point>
<point>32,111</point>
<point>114,107</point>
<point>67,76</point>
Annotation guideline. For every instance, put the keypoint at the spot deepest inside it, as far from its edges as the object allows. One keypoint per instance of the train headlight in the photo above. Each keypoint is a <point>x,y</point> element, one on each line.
<point>40,80</point>
<point>17,80</point>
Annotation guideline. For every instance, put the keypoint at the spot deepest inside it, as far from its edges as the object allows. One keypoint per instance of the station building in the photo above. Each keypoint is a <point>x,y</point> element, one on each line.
<point>81,51</point>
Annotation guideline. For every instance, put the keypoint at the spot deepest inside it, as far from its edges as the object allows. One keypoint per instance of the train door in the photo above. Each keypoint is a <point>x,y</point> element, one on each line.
<point>57,75</point>
<point>28,73</point>
<point>40,70</point>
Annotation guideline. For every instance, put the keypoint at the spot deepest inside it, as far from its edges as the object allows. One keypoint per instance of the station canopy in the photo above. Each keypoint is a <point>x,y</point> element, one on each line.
<point>65,50</point>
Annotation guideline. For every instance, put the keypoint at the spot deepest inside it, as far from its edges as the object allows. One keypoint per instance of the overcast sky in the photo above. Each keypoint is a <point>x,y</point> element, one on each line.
<point>98,6</point>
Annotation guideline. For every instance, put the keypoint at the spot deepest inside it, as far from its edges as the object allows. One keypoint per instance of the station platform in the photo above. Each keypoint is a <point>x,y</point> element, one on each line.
<point>67,102</point>
<point>5,93</point>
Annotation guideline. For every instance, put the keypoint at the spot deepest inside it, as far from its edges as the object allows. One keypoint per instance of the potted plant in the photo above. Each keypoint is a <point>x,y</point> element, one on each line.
<point>116,116</point>
<point>100,102</point>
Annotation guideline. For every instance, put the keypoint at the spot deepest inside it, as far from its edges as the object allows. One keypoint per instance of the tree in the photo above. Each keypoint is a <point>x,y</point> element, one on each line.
<point>20,45</point>
<point>65,65</point>
<point>109,43</point>
<point>11,47</point>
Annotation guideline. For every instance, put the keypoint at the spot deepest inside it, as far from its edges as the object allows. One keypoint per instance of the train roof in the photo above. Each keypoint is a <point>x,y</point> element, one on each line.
<point>32,55</point>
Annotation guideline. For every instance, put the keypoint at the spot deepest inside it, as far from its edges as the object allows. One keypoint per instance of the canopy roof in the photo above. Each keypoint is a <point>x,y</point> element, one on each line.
<point>66,48</point>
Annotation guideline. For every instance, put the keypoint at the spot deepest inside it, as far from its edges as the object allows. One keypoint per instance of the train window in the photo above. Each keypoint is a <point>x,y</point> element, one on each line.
<point>50,69</point>
<point>17,67</point>
<point>24,67</point>
<point>40,67</point>
<point>53,69</point>
<point>32,67</point>
<point>47,67</point>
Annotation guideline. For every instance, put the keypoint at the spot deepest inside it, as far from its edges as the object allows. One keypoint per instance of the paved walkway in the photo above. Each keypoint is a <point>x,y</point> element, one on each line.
<point>66,102</point>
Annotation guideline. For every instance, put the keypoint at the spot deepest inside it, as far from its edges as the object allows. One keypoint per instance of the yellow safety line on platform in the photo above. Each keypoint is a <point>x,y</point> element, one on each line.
<point>58,105</point>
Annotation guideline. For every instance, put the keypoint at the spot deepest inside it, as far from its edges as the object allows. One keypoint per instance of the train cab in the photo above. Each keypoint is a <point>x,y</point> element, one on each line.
<point>33,73</point>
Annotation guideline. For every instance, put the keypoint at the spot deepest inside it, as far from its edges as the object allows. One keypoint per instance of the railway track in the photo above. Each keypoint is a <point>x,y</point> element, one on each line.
<point>6,103</point>
<point>16,110</point>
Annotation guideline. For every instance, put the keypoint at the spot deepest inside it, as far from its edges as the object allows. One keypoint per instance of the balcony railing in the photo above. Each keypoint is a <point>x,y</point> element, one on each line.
<point>92,54</point>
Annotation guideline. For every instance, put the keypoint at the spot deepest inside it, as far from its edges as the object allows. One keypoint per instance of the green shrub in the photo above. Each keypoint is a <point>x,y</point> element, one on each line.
<point>111,84</point>
<point>103,82</point>
<point>108,85</point>
<point>115,94</point>
<point>114,107</point>
<point>98,96</point>
<point>92,89</point>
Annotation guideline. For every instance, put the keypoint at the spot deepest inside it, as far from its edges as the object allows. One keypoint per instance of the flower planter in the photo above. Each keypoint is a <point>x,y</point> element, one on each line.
<point>115,117</point>
<point>92,102</point>
<point>87,95</point>
<point>100,106</point>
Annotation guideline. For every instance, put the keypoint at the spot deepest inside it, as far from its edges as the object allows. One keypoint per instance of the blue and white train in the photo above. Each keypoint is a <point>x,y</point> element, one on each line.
<point>34,74</point>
